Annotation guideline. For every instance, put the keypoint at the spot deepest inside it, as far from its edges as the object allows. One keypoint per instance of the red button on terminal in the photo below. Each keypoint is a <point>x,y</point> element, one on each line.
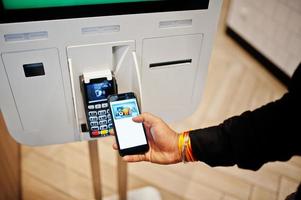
<point>95,133</point>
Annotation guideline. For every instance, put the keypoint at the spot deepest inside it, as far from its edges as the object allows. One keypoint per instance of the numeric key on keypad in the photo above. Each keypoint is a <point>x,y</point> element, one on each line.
<point>93,119</point>
<point>104,122</point>
<point>101,112</point>
<point>103,117</point>
<point>94,124</point>
<point>92,113</point>
<point>104,127</point>
<point>94,128</point>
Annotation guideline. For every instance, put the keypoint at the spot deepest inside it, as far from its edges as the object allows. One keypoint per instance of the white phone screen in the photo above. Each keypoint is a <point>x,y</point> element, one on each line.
<point>129,133</point>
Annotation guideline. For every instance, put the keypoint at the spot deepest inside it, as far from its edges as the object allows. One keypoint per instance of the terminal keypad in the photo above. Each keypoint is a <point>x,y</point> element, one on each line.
<point>99,119</point>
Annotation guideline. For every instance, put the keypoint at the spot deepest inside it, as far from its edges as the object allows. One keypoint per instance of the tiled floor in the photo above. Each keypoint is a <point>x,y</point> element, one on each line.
<point>235,83</point>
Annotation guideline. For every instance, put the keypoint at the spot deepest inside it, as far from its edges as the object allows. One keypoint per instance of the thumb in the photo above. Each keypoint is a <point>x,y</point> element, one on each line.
<point>146,118</point>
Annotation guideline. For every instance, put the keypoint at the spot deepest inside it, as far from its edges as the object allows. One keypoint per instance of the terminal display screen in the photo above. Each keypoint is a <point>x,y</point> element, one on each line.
<point>36,10</point>
<point>28,4</point>
<point>99,91</point>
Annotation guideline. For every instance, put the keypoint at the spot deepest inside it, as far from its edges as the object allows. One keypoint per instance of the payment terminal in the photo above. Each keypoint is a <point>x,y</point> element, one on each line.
<point>96,87</point>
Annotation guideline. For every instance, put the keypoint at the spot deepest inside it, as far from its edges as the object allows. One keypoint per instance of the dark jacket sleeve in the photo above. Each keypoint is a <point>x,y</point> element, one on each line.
<point>269,133</point>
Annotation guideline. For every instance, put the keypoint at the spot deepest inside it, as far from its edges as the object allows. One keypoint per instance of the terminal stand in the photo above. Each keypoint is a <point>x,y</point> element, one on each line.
<point>95,168</point>
<point>96,175</point>
<point>122,178</point>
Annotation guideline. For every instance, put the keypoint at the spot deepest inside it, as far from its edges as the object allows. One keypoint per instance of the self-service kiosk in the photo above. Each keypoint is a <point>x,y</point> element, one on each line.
<point>59,60</point>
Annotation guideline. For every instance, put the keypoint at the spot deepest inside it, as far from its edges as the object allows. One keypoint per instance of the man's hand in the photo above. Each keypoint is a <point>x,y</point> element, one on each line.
<point>163,142</point>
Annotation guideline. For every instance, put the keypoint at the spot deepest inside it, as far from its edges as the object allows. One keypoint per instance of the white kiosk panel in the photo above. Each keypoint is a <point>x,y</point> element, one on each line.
<point>159,49</point>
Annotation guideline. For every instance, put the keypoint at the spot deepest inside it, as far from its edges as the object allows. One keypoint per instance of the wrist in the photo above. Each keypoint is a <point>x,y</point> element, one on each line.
<point>179,154</point>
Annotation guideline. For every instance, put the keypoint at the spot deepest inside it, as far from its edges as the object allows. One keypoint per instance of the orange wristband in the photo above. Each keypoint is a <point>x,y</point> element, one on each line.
<point>185,149</point>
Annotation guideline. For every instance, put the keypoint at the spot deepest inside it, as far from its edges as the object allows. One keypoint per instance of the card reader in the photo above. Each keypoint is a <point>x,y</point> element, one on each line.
<point>96,87</point>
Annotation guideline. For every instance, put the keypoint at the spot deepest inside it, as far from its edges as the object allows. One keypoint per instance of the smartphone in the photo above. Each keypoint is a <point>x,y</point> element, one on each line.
<point>130,136</point>
<point>97,110</point>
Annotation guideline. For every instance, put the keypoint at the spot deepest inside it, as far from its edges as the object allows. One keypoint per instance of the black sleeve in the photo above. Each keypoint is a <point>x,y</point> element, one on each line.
<point>269,133</point>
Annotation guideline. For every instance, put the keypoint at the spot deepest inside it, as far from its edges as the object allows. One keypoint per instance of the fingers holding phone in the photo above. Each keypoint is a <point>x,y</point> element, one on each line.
<point>163,142</point>
<point>130,136</point>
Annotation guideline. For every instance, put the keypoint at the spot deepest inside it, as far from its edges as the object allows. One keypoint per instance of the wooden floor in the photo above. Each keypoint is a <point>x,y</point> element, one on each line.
<point>235,83</point>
